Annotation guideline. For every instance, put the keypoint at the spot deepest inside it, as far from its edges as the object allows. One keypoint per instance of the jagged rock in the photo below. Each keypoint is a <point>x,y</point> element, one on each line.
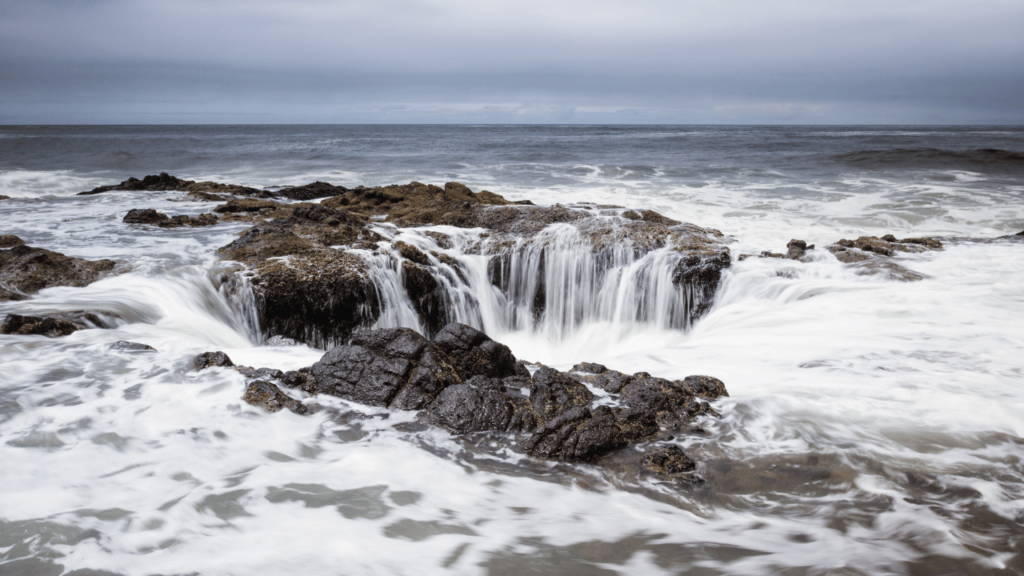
<point>34,325</point>
<point>150,216</point>
<point>161,183</point>
<point>125,346</point>
<point>204,191</point>
<point>669,460</point>
<point>280,341</point>
<point>9,240</point>
<point>475,353</point>
<point>26,270</point>
<point>211,360</point>
<point>553,392</point>
<point>269,397</point>
<point>872,255</point>
<point>144,216</point>
<point>312,191</point>
<point>319,295</point>
<point>476,406</point>
<point>324,292</point>
<point>466,382</point>
<point>397,368</point>
<point>260,373</point>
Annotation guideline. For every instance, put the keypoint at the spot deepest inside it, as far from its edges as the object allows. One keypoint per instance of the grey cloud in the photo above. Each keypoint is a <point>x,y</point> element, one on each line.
<point>944,61</point>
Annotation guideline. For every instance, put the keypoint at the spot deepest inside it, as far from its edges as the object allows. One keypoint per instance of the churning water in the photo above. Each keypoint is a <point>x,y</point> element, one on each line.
<point>873,427</point>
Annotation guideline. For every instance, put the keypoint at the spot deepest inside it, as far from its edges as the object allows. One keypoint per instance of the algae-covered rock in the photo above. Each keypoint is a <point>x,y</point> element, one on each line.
<point>34,325</point>
<point>25,270</point>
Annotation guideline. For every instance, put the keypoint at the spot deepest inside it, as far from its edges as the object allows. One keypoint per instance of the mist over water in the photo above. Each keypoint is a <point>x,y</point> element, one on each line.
<point>874,426</point>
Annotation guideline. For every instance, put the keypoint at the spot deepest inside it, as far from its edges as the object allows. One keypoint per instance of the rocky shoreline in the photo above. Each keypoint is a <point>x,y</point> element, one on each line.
<point>320,272</point>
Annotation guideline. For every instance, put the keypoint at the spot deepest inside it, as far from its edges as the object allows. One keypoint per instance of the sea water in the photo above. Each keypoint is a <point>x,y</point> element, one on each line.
<point>873,426</point>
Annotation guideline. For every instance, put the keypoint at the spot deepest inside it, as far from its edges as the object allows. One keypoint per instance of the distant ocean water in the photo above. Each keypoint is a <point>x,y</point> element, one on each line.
<point>874,426</point>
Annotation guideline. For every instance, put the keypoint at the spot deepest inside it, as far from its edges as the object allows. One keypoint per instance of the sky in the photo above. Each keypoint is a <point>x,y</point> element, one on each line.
<point>522,61</point>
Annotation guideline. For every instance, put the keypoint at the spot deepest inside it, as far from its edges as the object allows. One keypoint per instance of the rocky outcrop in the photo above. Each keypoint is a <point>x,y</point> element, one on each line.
<point>324,291</point>
<point>212,360</point>
<point>215,191</point>
<point>873,255</point>
<point>150,216</point>
<point>306,289</point>
<point>465,382</point>
<point>2,197</point>
<point>868,254</point>
<point>25,270</point>
<point>34,325</point>
<point>10,240</point>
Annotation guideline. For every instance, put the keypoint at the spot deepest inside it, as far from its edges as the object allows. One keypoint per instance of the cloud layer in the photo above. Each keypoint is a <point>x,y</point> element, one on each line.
<point>595,61</point>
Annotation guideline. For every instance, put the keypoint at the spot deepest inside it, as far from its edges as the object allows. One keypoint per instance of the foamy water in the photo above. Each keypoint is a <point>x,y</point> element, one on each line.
<point>873,427</point>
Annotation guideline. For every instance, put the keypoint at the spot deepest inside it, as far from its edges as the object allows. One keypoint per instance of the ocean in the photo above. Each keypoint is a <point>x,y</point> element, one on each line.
<point>873,426</point>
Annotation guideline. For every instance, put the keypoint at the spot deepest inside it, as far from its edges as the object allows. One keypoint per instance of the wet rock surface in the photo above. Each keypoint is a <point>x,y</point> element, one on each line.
<point>25,270</point>
<point>150,216</point>
<point>465,382</point>
<point>308,262</point>
<point>125,346</point>
<point>867,254</point>
<point>212,360</point>
<point>35,325</point>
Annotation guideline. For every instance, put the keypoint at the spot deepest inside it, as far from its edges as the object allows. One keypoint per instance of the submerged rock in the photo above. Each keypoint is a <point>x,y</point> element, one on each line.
<point>125,346</point>
<point>873,255</point>
<point>25,270</point>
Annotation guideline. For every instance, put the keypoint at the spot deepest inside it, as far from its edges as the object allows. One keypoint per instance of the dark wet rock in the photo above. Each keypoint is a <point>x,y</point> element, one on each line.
<point>396,367</point>
<point>475,353</point>
<point>669,460</point>
<point>159,183</point>
<point>2,197</point>
<point>554,392</point>
<point>269,397</point>
<point>144,216</point>
<point>125,346</point>
<point>476,406</point>
<point>318,295</point>
<point>453,380</point>
<point>211,360</point>
<point>796,249</point>
<point>323,292</point>
<point>10,240</point>
<point>26,270</point>
<point>260,373</point>
<point>163,182</point>
<point>280,341</point>
<point>34,325</point>
<point>311,191</point>
<point>150,216</point>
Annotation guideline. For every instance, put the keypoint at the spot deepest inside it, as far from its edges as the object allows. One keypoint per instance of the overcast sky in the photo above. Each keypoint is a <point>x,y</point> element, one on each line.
<point>522,61</point>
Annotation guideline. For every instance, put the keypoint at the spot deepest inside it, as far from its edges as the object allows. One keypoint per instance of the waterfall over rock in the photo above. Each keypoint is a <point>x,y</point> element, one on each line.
<point>421,257</point>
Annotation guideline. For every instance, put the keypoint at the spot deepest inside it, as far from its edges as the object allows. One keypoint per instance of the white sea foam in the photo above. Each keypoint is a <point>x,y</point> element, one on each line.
<point>872,424</point>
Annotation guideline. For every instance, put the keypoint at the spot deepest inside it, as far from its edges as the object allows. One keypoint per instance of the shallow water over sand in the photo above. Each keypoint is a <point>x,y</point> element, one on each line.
<point>873,427</point>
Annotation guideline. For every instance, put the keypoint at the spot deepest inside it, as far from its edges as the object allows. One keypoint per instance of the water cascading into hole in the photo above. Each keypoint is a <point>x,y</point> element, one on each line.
<point>552,283</point>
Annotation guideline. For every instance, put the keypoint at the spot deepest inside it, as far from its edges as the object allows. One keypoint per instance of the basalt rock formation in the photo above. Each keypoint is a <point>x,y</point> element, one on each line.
<point>150,216</point>
<point>316,269</point>
<point>873,255</point>
<point>25,270</point>
<point>53,325</point>
<point>868,254</point>
<point>34,325</point>
<point>216,191</point>
<point>466,383</point>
